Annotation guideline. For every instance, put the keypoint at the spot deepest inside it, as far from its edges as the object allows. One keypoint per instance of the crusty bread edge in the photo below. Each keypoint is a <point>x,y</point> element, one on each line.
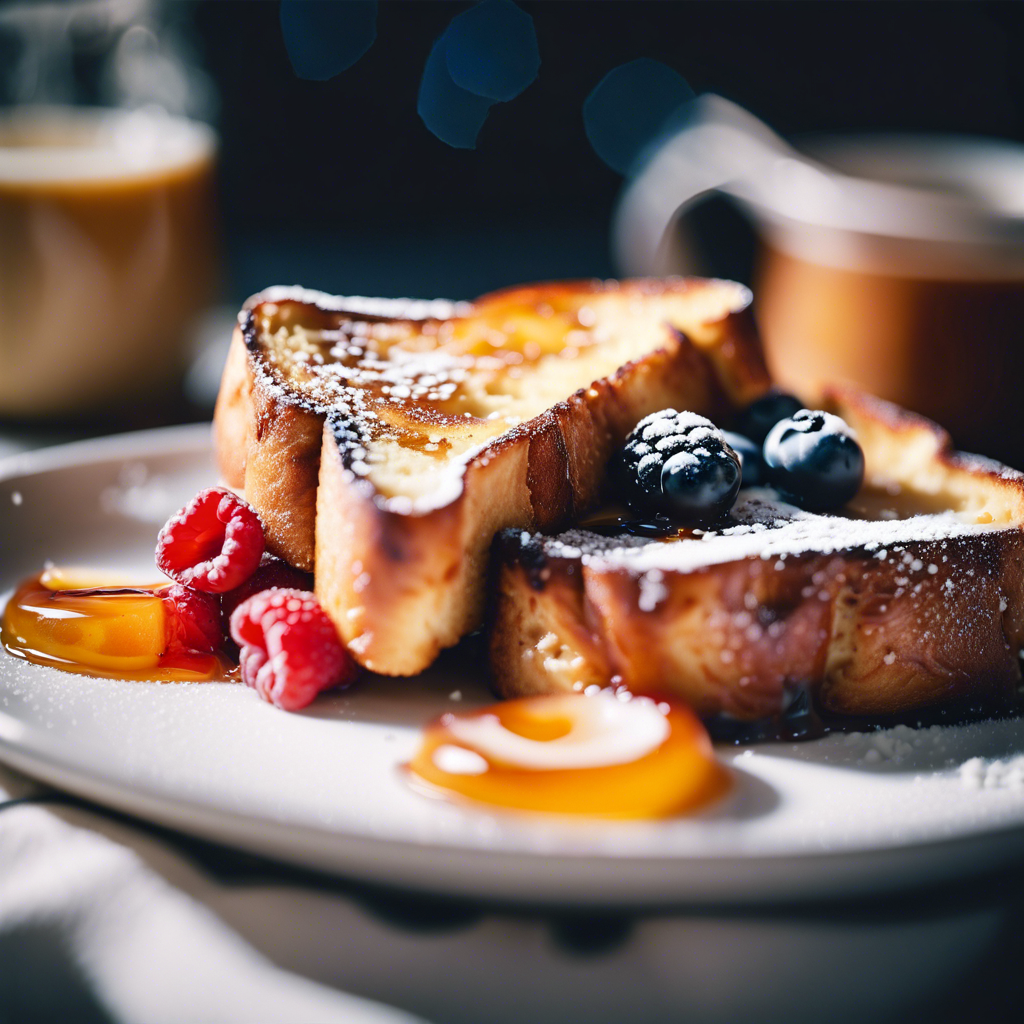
<point>558,625</point>
<point>430,566</point>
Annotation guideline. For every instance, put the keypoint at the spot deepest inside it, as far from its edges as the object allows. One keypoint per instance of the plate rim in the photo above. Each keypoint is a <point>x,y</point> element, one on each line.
<point>127,444</point>
<point>501,875</point>
<point>497,875</point>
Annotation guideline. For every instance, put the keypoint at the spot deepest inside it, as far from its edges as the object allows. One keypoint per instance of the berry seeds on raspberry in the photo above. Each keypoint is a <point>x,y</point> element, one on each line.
<point>214,543</point>
<point>272,572</point>
<point>193,620</point>
<point>290,650</point>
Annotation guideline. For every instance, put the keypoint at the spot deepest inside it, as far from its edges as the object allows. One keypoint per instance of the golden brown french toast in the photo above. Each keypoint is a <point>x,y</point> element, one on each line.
<point>911,595</point>
<point>385,442</point>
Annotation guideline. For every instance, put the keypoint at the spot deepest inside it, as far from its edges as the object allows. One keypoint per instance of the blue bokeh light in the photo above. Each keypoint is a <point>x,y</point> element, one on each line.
<point>454,115</point>
<point>487,54</point>
<point>631,107</point>
<point>324,37</point>
<point>491,50</point>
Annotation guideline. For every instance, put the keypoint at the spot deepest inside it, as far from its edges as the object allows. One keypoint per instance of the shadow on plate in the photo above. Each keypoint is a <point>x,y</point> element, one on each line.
<point>458,679</point>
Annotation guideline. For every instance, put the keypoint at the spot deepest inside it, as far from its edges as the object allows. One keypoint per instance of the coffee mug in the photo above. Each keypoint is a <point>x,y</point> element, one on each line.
<point>895,263</point>
<point>106,254</point>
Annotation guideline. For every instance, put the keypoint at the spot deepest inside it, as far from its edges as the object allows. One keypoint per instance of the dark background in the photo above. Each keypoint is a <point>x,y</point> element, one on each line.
<point>339,185</point>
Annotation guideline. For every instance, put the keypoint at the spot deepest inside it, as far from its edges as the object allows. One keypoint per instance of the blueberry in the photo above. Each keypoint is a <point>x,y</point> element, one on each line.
<point>760,416</point>
<point>677,464</point>
<point>700,486</point>
<point>751,459</point>
<point>813,458</point>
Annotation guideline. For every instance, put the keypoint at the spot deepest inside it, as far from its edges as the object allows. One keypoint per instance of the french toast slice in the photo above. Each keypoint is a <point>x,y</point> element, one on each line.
<point>384,443</point>
<point>910,597</point>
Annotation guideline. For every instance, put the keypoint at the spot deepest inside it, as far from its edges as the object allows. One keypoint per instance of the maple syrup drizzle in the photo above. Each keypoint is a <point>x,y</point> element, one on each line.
<point>606,755</point>
<point>81,621</point>
<point>383,364</point>
<point>596,755</point>
<point>615,521</point>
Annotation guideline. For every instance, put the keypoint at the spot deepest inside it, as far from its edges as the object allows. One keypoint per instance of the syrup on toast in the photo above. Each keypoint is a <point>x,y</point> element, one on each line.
<point>386,442</point>
<point>911,596</point>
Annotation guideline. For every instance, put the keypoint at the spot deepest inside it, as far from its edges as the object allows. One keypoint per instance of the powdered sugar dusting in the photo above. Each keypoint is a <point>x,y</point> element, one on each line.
<point>652,590</point>
<point>390,389</point>
<point>396,309</point>
<point>137,495</point>
<point>897,745</point>
<point>764,527</point>
<point>979,773</point>
<point>416,391</point>
<point>669,431</point>
<point>828,422</point>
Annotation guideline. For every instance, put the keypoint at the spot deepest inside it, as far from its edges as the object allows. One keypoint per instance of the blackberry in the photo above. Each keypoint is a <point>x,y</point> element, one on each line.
<point>677,464</point>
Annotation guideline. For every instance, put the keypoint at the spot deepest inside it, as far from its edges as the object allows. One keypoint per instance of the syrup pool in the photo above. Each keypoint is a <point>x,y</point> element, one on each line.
<point>604,755</point>
<point>84,621</point>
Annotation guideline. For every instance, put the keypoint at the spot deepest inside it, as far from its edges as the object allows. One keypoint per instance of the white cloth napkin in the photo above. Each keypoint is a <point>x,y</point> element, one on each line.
<point>87,927</point>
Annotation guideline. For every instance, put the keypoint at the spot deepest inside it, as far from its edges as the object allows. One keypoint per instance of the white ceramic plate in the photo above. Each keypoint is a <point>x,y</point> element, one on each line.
<point>324,787</point>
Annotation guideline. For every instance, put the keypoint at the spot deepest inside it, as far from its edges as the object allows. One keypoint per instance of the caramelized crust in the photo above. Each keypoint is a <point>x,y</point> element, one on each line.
<point>385,444</point>
<point>917,600</point>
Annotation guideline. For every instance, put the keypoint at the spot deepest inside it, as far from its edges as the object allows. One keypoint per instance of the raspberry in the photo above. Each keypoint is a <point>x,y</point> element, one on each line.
<point>214,543</point>
<point>193,620</point>
<point>273,572</point>
<point>290,648</point>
